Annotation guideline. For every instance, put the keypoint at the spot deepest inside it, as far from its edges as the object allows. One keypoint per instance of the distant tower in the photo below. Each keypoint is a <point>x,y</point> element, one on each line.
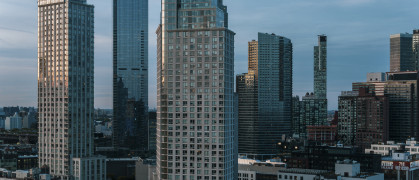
<point>415,48</point>
<point>65,90</point>
<point>130,74</point>
<point>401,53</point>
<point>320,68</point>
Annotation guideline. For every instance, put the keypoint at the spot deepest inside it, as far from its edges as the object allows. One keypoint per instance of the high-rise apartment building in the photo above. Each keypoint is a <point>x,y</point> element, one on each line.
<point>297,126</point>
<point>372,119</point>
<point>401,90</point>
<point>320,68</point>
<point>274,89</point>
<point>363,118</point>
<point>401,53</point>
<point>130,74</point>
<point>415,48</point>
<point>65,90</point>
<point>265,95</point>
<point>310,111</point>
<point>246,89</point>
<point>347,117</point>
<point>195,88</point>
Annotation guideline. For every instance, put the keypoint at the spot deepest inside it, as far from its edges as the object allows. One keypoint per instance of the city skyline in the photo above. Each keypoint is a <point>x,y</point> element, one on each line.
<point>355,37</point>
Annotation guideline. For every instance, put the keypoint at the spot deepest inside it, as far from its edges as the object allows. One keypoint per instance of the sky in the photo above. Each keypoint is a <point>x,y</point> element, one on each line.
<point>358,41</point>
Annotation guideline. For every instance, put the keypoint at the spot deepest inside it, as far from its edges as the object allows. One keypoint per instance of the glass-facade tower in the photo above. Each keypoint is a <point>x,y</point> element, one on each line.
<point>320,68</point>
<point>65,88</point>
<point>274,90</point>
<point>130,74</point>
<point>265,95</point>
<point>195,88</point>
<point>401,53</point>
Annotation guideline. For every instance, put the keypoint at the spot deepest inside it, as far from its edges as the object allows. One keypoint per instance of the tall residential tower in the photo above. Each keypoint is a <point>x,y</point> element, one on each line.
<point>65,90</point>
<point>195,88</point>
<point>320,68</point>
<point>265,95</point>
<point>130,74</point>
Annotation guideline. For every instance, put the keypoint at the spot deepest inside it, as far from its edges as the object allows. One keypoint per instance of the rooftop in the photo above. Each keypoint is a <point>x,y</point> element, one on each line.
<point>303,171</point>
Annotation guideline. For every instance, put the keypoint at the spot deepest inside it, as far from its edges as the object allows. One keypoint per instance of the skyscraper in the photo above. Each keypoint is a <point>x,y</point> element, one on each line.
<point>265,95</point>
<point>320,68</point>
<point>402,92</point>
<point>401,53</point>
<point>130,74</point>
<point>65,90</point>
<point>246,89</point>
<point>313,107</point>
<point>195,88</point>
<point>415,48</point>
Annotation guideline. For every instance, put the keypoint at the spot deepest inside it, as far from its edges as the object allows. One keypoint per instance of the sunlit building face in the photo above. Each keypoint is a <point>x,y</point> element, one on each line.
<point>65,85</point>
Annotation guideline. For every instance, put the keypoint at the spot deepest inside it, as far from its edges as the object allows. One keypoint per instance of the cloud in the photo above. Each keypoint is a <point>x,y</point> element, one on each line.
<point>18,30</point>
<point>12,38</point>
<point>354,2</point>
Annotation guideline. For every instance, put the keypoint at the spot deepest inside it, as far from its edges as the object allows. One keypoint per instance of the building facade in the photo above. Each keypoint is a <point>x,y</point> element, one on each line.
<point>297,127</point>
<point>402,92</point>
<point>401,53</point>
<point>400,88</point>
<point>246,88</point>
<point>310,111</point>
<point>386,148</point>
<point>347,117</point>
<point>415,48</point>
<point>320,68</point>
<point>325,157</point>
<point>130,74</point>
<point>275,60</point>
<point>13,122</point>
<point>363,118</point>
<point>323,134</point>
<point>265,95</point>
<point>195,80</point>
<point>65,84</point>
<point>372,119</point>
<point>376,77</point>
<point>92,168</point>
<point>152,130</point>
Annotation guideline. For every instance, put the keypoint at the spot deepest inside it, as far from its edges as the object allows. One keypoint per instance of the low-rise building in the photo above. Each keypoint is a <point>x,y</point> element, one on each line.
<point>121,167</point>
<point>322,134</point>
<point>145,169</point>
<point>401,165</point>
<point>250,169</point>
<point>344,170</point>
<point>89,168</point>
<point>22,174</point>
<point>351,170</point>
<point>385,149</point>
<point>305,174</point>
